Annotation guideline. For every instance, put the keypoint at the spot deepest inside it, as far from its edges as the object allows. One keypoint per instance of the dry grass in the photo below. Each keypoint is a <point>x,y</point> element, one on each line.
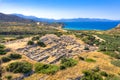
<point>102,60</point>
<point>10,74</point>
<point>18,44</point>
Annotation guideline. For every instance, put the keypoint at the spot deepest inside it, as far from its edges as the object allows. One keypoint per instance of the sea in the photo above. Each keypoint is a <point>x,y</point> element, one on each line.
<point>90,25</point>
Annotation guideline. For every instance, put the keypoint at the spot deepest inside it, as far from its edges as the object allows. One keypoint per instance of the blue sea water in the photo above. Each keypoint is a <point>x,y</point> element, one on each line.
<point>90,25</point>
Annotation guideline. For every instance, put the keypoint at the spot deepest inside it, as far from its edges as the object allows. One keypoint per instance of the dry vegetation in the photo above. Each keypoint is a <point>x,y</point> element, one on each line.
<point>87,59</point>
<point>103,61</point>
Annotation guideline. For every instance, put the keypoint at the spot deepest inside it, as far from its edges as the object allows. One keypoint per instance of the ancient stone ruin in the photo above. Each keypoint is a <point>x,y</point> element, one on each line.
<point>57,47</point>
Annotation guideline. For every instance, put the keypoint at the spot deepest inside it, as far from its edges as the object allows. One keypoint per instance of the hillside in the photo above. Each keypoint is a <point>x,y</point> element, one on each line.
<point>14,25</point>
<point>80,50</point>
<point>13,18</point>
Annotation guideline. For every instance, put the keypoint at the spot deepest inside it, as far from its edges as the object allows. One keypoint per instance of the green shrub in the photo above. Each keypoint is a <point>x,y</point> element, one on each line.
<point>30,43</point>
<point>91,75</point>
<point>62,67</point>
<point>20,67</point>
<point>39,43</point>
<point>11,57</point>
<point>5,59</point>
<point>90,39</point>
<point>116,63</point>
<point>2,50</point>
<point>90,60</point>
<point>2,46</point>
<point>68,62</point>
<point>46,68</point>
<point>15,56</point>
<point>103,73</point>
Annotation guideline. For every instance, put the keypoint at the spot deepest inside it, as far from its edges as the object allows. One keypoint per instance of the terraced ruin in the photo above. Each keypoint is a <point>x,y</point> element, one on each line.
<point>57,47</point>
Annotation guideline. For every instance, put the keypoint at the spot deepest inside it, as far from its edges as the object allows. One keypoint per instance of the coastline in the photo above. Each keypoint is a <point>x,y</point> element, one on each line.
<point>89,26</point>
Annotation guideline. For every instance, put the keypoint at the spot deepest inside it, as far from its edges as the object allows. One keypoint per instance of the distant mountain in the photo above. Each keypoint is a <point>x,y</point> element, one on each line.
<point>84,20</point>
<point>63,20</point>
<point>35,18</point>
<point>13,18</point>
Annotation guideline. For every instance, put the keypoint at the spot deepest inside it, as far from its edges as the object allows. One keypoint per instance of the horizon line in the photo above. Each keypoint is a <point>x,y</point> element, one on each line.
<point>61,18</point>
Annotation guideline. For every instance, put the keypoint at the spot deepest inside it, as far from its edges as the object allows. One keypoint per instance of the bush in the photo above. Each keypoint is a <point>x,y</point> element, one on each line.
<point>5,59</point>
<point>11,57</point>
<point>30,43</point>
<point>41,44</point>
<point>15,56</point>
<point>116,63</point>
<point>68,62</point>
<point>103,73</point>
<point>91,75</point>
<point>2,46</point>
<point>90,60</point>
<point>2,50</point>
<point>62,67</point>
<point>20,67</point>
<point>46,68</point>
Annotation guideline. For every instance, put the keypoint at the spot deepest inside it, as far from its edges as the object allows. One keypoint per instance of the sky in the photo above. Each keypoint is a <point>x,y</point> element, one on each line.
<point>57,9</point>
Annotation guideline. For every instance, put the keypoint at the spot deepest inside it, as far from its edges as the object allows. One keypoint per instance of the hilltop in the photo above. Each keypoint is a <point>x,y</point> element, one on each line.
<point>13,18</point>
